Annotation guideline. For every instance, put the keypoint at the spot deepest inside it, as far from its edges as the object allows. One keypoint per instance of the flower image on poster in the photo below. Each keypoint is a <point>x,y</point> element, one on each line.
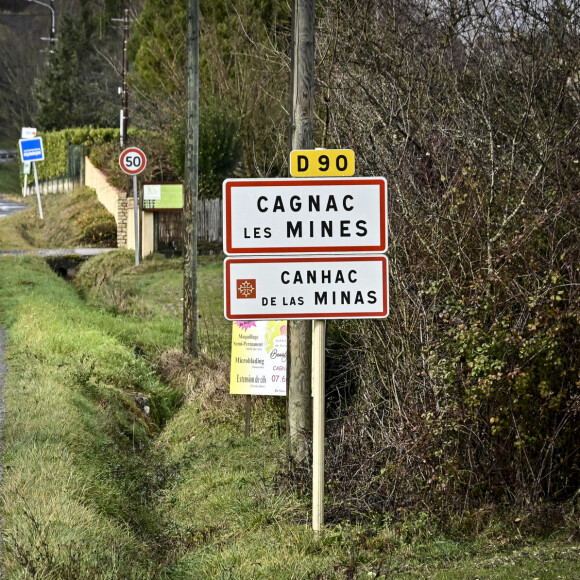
<point>258,358</point>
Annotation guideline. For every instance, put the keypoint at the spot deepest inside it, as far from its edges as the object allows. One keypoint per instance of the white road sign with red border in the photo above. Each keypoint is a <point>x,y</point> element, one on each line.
<point>305,216</point>
<point>132,161</point>
<point>306,287</point>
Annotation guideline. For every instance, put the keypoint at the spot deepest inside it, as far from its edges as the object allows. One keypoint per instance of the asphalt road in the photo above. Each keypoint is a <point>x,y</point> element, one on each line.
<point>9,207</point>
<point>2,375</point>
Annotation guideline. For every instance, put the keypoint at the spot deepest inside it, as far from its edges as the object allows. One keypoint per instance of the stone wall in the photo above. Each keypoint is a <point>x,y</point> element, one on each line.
<point>122,218</point>
<point>120,204</point>
<point>113,198</point>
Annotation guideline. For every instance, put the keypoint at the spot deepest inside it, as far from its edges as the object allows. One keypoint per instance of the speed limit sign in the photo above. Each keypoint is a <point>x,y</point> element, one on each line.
<point>132,161</point>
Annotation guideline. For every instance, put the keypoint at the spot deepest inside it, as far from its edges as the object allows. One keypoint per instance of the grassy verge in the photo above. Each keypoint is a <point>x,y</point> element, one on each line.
<point>150,296</point>
<point>11,232</point>
<point>95,487</point>
<point>241,524</point>
<point>75,219</point>
<point>74,436</point>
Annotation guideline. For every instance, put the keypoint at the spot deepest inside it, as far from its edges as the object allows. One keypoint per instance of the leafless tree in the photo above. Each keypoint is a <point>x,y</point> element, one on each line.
<point>471,111</point>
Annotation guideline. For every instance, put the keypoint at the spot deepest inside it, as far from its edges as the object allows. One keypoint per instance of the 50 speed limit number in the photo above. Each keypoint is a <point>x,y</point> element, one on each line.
<point>132,161</point>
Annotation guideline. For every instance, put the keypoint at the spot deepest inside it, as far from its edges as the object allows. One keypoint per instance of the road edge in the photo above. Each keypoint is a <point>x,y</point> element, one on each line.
<point>3,370</point>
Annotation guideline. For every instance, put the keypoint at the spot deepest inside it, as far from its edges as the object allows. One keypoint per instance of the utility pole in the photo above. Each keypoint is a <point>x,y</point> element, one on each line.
<point>125,92</point>
<point>52,29</point>
<point>299,384</point>
<point>190,187</point>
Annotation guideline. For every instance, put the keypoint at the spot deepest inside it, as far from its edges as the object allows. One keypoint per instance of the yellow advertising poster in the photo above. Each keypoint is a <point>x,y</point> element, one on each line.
<point>258,357</point>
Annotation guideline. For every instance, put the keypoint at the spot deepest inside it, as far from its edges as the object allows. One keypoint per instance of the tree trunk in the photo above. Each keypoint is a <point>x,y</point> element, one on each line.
<point>191,182</point>
<point>299,387</point>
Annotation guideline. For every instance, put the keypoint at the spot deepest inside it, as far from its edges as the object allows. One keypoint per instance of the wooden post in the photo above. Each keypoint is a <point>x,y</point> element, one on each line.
<point>248,413</point>
<point>299,387</point>
<point>191,182</point>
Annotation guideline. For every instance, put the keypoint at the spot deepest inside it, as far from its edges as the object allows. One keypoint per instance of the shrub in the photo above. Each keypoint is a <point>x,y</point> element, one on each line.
<point>468,396</point>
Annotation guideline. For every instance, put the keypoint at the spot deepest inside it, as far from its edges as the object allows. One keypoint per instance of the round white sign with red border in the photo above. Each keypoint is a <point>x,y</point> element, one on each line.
<point>132,161</point>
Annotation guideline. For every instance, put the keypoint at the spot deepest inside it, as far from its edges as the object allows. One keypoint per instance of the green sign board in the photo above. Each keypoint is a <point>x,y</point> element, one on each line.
<point>162,196</point>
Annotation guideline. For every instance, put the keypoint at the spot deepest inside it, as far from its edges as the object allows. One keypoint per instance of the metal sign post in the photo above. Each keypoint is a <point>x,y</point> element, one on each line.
<point>31,151</point>
<point>26,166</point>
<point>318,418</point>
<point>37,190</point>
<point>133,161</point>
<point>136,216</point>
<point>329,231</point>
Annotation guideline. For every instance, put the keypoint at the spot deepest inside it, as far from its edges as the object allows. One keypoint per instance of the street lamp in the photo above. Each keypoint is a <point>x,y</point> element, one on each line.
<point>52,27</point>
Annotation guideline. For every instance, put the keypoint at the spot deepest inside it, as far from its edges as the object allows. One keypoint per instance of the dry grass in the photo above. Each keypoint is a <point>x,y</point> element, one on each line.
<point>205,381</point>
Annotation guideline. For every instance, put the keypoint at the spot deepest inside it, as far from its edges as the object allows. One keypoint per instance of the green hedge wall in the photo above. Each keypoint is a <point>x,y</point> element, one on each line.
<point>56,147</point>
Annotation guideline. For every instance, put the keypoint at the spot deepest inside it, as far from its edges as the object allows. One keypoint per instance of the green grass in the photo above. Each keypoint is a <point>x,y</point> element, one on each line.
<point>149,297</point>
<point>95,488</point>
<point>9,172</point>
<point>72,434</point>
<point>12,236</point>
<point>70,220</point>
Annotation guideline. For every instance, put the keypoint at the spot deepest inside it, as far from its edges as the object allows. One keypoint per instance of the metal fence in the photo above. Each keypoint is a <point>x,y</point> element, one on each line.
<point>63,183</point>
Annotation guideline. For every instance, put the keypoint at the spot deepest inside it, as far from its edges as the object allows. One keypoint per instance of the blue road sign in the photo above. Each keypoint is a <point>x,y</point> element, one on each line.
<point>31,149</point>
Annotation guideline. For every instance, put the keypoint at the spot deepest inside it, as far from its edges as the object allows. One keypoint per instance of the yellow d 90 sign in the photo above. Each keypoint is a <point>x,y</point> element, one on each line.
<point>322,163</point>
